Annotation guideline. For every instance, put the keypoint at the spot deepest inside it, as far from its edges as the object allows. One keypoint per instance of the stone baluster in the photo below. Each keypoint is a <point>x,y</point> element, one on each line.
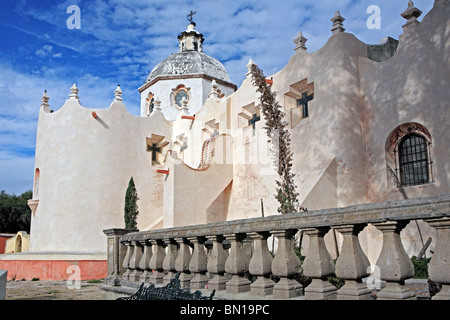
<point>134,261</point>
<point>126,261</point>
<point>286,265</point>
<point>169,260</point>
<point>394,263</point>
<point>352,265</point>
<point>198,264</point>
<point>145,260</point>
<point>318,265</point>
<point>216,264</point>
<point>439,266</point>
<point>156,261</point>
<point>182,262</point>
<point>261,265</point>
<point>236,264</point>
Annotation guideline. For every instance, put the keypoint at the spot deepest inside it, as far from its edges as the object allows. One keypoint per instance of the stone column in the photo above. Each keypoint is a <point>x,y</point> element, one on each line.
<point>261,265</point>
<point>145,260</point>
<point>126,260</point>
<point>237,264</point>
<point>286,265</point>
<point>115,255</point>
<point>394,263</point>
<point>216,264</point>
<point>439,266</point>
<point>156,261</point>
<point>169,260</point>
<point>198,264</point>
<point>318,265</point>
<point>134,261</point>
<point>352,265</point>
<point>182,262</point>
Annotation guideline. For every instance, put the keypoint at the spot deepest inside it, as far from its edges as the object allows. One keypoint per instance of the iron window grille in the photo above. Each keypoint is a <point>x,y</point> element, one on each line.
<point>413,159</point>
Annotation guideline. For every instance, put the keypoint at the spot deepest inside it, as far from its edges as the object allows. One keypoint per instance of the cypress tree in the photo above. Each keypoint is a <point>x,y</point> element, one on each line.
<point>131,208</point>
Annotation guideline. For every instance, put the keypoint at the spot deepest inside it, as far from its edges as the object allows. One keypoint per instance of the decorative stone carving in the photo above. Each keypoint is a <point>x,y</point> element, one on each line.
<point>338,25</point>
<point>300,41</point>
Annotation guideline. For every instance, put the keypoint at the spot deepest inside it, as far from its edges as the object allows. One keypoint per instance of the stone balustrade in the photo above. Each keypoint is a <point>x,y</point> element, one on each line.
<point>234,257</point>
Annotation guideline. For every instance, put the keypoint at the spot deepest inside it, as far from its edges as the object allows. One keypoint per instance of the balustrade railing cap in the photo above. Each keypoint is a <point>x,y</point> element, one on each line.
<point>410,209</point>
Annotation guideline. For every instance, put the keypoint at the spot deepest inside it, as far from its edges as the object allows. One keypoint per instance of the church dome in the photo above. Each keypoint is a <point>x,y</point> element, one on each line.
<point>189,60</point>
<point>189,63</point>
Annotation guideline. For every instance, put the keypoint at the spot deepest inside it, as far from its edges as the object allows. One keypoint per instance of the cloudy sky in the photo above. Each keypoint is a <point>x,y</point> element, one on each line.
<point>120,41</point>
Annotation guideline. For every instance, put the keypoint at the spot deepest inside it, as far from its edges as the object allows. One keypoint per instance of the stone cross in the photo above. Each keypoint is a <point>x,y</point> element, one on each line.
<point>252,122</point>
<point>303,101</point>
<point>154,149</point>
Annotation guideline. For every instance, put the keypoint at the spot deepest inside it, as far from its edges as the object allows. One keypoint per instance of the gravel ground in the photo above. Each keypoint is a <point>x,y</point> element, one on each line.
<point>53,290</point>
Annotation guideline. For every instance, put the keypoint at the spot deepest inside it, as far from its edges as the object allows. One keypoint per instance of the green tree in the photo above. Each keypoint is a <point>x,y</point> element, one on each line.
<point>131,208</point>
<point>15,215</point>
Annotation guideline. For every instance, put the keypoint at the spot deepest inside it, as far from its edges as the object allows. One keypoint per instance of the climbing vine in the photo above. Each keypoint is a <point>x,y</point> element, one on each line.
<point>280,139</point>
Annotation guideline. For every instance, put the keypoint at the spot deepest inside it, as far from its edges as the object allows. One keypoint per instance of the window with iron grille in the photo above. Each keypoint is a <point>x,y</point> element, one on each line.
<point>413,160</point>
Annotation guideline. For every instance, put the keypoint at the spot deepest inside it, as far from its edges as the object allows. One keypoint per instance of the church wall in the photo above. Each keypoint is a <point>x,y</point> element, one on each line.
<point>85,165</point>
<point>333,129</point>
<point>409,87</point>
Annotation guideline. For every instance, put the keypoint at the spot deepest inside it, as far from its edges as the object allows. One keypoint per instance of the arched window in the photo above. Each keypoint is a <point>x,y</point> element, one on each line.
<point>413,160</point>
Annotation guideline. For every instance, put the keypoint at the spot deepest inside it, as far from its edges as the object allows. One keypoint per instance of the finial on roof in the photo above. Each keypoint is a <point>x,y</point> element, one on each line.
<point>44,102</point>
<point>411,14</point>
<point>249,67</point>
<point>338,25</point>
<point>300,41</point>
<point>74,92</point>
<point>118,94</point>
<point>214,90</point>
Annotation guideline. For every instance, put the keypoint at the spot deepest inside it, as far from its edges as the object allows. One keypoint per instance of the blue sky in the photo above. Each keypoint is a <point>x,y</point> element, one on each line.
<point>120,41</point>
